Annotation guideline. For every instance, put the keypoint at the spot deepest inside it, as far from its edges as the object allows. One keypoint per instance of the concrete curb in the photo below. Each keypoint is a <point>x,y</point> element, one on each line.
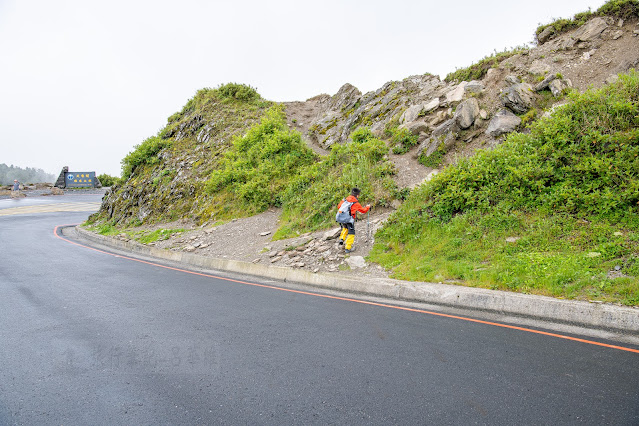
<point>593,315</point>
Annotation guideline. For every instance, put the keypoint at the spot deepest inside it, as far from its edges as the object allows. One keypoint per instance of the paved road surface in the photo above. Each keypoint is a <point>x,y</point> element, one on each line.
<point>91,338</point>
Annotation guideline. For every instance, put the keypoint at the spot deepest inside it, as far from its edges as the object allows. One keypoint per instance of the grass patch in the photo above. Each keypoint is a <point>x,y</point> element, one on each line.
<point>311,199</point>
<point>254,173</point>
<point>478,70</point>
<point>146,237</point>
<point>569,190</point>
<point>551,255</point>
<point>401,139</point>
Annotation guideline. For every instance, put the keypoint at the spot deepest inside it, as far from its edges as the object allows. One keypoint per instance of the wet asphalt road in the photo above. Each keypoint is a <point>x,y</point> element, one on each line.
<point>90,338</point>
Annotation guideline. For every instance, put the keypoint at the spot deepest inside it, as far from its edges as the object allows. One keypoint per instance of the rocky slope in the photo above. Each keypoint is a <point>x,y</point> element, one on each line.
<point>457,117</point>
<point>446,118</point>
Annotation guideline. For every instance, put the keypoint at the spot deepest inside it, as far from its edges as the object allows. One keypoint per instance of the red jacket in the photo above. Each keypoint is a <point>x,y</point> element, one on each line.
<point>356,207</point>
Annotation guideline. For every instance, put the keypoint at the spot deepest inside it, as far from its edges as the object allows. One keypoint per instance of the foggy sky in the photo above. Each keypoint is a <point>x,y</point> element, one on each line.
<point>83,82</point>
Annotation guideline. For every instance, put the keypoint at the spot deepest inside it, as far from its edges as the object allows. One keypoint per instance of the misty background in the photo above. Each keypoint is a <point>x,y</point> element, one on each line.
<point>82,82</point>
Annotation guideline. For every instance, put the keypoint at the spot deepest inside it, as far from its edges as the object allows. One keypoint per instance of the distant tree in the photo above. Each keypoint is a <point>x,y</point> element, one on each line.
<point>28,175</point>
<point>108,180</point>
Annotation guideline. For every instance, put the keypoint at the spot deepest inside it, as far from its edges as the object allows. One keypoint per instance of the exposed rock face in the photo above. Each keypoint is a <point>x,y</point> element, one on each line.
<point>466,113</point>
<point>518,97</point>
<point>348,109</point>
<point>559,86</point>
<point>444,135</point>
<point>411,114</point>
<point>503,122</point>
<point>590,30</point>
<point>545,35</point>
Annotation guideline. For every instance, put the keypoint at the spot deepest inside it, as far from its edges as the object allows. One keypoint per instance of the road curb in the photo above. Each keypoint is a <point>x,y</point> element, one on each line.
<point>593,315</point>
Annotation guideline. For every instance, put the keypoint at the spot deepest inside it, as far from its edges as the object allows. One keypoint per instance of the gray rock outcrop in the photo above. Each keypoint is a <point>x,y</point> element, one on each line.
<point>518,97</point>
<point>503,122</point>
<point>590,30</point>
<point>466,113</point>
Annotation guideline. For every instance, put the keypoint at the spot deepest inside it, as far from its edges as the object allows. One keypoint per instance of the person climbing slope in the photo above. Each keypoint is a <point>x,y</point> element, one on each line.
<point>346,214</point>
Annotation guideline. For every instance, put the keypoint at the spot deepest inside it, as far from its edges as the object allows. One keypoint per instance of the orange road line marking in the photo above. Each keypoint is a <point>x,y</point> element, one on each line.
<point>365,302</point>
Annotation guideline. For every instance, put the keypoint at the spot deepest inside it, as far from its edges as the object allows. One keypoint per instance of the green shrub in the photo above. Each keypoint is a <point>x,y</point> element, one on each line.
<point>402,140</point>
<point>240,92</point>
<point>144,153</point>
<point>311,197</point>
<point>624,9</point>
<point>254,172</point>
<point>478,71</point>
<point>581,160</point>
<point>107,180</point>
<point>565,189</point>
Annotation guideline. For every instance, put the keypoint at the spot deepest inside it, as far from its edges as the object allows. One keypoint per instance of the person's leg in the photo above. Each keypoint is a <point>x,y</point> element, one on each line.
<point>342,236</point>
<point>350,238</point>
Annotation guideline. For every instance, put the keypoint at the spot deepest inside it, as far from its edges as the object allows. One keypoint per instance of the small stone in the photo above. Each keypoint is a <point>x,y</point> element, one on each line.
<point>593,254</point>
<point>272,253</point>
<point>264,234</point>
<point>617,268</point>
<point>276,259</point>
<point>197,244</point>
<point>618,234</point>
<point>205,245</point>
<point>356,262</point>
<point>316,270</point>
<point>281,253</point>
<point>512,239</point>
<point>332,234</point>
<point>189,248</point>
<point>256,260</point>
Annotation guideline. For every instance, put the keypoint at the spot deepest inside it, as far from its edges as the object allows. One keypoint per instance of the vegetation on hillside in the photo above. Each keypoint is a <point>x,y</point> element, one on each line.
<point>478,70</point>
<point>312,196</point>
<point>266,165</point>
<point>271,166</point>
<point>254,173</point>
<point>624,9</point>
<point>171,168</point>
<point>565,195</point>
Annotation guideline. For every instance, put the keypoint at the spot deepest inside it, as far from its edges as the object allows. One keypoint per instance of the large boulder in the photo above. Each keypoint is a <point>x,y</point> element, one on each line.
<point>503,122</point>
<point>546,34</point>
<point>559,86</point>
<point>345,98</point>
<point>457,93</point>
<point>475,87</point>
<point>416,127</point>
<point>431,105</point>
<point>590,30</point>
<point>411,114</point>
<point>445,133</point>
<point>518,97</point>
<point>466,113</point>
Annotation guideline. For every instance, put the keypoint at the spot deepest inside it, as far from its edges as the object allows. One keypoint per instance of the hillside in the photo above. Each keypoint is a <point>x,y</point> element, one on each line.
<point>230,154</point>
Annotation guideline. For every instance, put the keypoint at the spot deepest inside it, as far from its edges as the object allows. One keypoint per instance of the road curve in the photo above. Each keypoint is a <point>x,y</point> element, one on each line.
<point>91,338</point>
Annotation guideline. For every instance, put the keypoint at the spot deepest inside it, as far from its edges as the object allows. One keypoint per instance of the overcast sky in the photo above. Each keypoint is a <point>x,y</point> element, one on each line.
<point>82,81</point>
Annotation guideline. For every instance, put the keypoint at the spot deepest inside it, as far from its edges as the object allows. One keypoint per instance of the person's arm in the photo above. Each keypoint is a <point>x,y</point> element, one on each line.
<point>357,207</point>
